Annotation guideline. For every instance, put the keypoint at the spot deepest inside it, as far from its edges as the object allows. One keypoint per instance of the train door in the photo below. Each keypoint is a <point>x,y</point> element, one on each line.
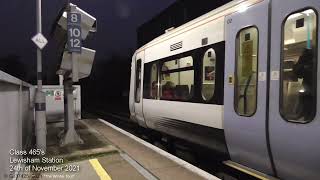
<point>132,88</point>
<point>245,100</point>
<point>294,89</point>
<point>138,88</point>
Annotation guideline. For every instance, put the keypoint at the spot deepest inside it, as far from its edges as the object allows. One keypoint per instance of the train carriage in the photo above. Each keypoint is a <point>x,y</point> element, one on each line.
<point>242,79</point>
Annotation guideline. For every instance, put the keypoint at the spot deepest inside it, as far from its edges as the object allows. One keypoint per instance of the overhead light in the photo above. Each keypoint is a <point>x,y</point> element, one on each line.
<point>301,91</point>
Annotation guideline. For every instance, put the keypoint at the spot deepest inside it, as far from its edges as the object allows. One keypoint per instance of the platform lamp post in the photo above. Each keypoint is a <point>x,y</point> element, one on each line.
<point>40,99</point>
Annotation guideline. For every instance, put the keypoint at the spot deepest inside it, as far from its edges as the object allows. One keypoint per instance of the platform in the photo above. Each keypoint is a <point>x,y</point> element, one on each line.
<point>112,153</point>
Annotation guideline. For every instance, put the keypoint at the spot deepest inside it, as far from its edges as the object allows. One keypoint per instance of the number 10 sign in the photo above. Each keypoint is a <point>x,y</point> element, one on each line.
<point>74,32</point>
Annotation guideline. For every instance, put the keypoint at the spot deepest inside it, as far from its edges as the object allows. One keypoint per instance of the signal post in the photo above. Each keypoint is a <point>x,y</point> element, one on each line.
<point>74,46</point>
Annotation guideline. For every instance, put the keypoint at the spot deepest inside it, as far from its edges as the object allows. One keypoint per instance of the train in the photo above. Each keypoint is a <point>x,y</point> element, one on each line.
<point>242,79</point>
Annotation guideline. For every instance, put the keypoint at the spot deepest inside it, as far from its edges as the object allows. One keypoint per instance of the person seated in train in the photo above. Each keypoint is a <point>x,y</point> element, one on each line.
<point>182,92</point>
<point>303,69</point>
<point>168,90</point>
<point>154,90</point>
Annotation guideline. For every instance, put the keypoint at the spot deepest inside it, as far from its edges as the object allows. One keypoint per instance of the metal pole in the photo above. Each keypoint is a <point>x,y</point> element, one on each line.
<point>65,97</point>
<point>70,136</point>
<point>75,72</point>
<point>39,53</point>
<point>70,113</point>
<point>40,99</point>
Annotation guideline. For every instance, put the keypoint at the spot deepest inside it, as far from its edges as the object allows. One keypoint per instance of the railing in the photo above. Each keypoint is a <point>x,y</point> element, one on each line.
<point>16,119</point>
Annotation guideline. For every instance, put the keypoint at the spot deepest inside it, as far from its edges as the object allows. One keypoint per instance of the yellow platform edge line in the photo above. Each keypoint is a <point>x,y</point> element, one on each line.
<point>99,169</point>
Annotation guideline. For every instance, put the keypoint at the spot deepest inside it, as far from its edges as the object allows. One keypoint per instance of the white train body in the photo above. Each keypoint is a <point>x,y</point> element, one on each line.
<point>189,33</point>
<point>232,80</point>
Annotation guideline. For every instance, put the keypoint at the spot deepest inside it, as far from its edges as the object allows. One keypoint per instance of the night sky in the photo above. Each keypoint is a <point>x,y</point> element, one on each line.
<point>107,88</point>
<point>117,24</point>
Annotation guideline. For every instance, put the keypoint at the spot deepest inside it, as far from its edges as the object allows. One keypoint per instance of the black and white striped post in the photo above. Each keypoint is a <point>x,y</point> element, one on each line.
<point>40,99</point>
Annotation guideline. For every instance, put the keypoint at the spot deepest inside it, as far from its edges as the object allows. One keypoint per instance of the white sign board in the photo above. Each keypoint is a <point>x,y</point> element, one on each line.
<point>85,63</point>
<point>55,102</point>
<point>275,75</point>
<point>74,32</point>
<point>40,40</point>
<point>262,76</point>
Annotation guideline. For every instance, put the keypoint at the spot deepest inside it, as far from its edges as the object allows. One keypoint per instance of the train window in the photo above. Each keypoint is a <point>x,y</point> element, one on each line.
<point>245,101</point>
<point>299,67</point>
<point>138,81</point>
<point>177,79</point>
<point>208,74</point>
<point>151,81</point>
<point>185,62</point>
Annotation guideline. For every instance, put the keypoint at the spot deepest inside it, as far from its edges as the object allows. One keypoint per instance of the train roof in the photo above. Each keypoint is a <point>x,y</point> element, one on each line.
<point>227,9</point>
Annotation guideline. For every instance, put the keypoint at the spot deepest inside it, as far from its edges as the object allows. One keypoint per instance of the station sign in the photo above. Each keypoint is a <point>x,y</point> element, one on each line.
<point>49,93</point>
<point>58,95</point>
<point>39,40</point>
<point>74,32</point>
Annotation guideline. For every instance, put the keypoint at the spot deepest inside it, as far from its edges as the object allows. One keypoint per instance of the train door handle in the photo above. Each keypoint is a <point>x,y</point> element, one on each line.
<point>230,80</point>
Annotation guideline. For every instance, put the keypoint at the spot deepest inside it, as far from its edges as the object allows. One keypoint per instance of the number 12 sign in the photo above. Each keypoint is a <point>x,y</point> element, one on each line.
<point>74,32</point>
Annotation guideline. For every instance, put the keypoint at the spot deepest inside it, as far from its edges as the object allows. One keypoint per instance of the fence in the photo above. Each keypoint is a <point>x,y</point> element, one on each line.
<point>16,118</point>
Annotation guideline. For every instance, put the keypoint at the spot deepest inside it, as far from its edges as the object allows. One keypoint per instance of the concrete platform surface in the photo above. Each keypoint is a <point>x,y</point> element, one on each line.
<point>155,164</point>
<point>111,167</point>
<point>94,143</point>
<point>110,154</point>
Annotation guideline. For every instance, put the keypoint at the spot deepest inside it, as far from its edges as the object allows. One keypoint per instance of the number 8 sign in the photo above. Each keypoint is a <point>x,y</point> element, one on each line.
<point>74,32</point>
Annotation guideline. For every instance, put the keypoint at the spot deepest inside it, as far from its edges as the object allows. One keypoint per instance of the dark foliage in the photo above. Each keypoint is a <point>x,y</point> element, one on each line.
<point>108,86</point>
<point>13,65</point>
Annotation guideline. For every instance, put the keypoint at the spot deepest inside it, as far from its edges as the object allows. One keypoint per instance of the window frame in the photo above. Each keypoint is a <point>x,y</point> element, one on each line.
<point>236,70</point>
<point>281,64</point>
<point>145,83</point>
<point>140,81</point>
<point>197,55</point>
<point>206,49</point>
<point>178,70</point>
